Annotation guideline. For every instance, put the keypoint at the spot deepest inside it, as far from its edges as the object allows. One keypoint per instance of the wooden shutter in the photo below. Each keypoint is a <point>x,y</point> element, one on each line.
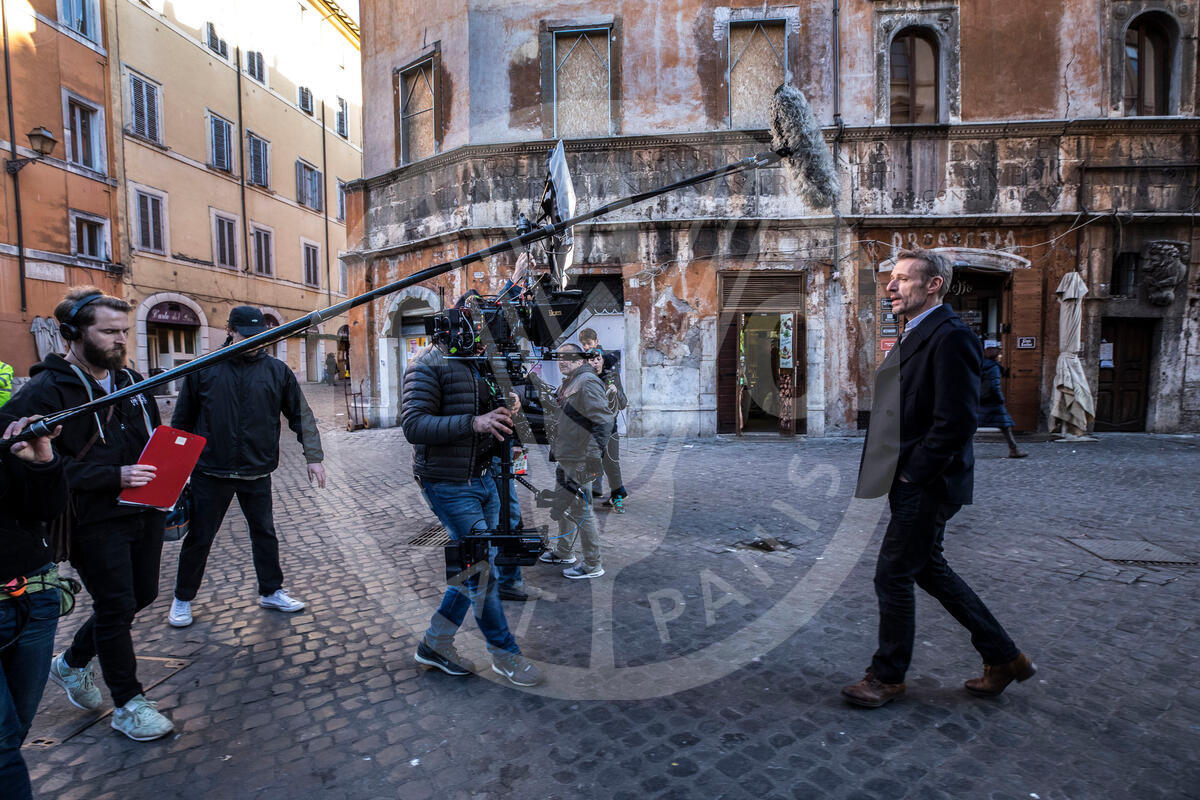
<point>727,372</point>
<point>220,142</point>
<point>759,292</point>
<point>156,222</point>
<point>300,188</point>
<point>143,221</point>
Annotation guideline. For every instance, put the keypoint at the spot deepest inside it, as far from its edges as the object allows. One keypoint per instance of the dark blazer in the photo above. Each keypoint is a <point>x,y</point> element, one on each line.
<point>924,412</point>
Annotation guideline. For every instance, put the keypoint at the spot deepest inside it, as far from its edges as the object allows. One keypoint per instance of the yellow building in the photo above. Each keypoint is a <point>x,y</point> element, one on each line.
<point>238,124</point>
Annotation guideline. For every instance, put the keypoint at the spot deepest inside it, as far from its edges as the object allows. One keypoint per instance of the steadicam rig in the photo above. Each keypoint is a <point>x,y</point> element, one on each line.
<point>795,135</point>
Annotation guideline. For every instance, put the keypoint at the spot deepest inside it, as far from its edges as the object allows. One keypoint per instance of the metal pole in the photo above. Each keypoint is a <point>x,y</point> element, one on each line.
<point>44,426</point>
<point>12,143</point>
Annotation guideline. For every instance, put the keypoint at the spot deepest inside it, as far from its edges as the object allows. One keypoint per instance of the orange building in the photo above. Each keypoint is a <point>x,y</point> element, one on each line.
<point>60,209</point>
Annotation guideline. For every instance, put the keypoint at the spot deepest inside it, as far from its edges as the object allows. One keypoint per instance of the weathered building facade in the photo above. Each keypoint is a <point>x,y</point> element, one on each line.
<point>1026,139</point>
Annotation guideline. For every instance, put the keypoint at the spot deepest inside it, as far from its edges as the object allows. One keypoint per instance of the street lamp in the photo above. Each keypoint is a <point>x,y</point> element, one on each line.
<point>41,140</point>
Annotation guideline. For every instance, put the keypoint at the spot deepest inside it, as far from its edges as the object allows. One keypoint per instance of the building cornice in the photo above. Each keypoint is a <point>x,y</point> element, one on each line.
<point>999,129</point>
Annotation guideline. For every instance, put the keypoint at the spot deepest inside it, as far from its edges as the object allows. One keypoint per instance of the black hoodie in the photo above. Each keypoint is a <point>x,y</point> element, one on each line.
<point>95,480</point>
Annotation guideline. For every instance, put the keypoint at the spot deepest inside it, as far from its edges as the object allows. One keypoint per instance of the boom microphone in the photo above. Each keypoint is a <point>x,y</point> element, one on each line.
<point>794,133</point>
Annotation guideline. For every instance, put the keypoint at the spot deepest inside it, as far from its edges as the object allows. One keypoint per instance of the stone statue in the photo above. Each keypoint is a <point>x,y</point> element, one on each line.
<point>1164,266</point>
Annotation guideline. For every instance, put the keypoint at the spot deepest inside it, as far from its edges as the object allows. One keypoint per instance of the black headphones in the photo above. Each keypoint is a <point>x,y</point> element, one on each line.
<point>68,329</point>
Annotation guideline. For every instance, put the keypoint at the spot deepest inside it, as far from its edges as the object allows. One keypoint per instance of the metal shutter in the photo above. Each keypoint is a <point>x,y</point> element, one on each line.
<point>753,291</point>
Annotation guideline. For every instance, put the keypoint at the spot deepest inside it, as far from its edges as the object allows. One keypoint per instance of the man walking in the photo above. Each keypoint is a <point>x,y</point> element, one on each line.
<point>918,452</point>
<point>115,548</point>
<point>584,422</point>
<point>236,405</point>
<point>608,367</point>
<point>452,417</point>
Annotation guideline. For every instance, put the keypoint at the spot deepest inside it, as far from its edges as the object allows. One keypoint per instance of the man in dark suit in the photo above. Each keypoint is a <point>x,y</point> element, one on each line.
<point>918,452</point>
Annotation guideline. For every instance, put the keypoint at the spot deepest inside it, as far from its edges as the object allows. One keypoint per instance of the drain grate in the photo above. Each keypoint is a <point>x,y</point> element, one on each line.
<point>1123,551</point>
<point>431,536</point>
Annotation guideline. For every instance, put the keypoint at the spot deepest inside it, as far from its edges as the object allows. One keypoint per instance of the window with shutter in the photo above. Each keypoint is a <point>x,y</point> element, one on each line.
<point>309,186</point>
<point>341,201</point>
<point>343,120</point>
<point>259,161</point>
<point>311,269</point>
<point>221,147</point>
<point>83,135</point>
<point>150,222</point>
<point>144,99</point>
<point>306,100</point>
<point>216,43</point>
<point>262,251</point>
<point>255,66</point>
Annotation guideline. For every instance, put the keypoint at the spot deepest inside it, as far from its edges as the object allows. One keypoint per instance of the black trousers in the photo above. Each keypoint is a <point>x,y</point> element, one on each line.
<point>210,500</point>
<point>610,458</point>
<point>912,553</point>
<point>118,562</point>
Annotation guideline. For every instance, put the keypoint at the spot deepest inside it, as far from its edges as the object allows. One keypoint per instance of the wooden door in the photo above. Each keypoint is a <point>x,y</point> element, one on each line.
<point>727,373</point>
<point>1124,387</point>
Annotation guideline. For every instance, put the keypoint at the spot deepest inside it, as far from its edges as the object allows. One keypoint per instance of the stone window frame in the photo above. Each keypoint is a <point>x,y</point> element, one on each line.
<point>789,49</point>
<point>434,58</point>
<point>547,31</point>
<point>941,21</point>
<point>788,15</point>
<point>1181,14</point>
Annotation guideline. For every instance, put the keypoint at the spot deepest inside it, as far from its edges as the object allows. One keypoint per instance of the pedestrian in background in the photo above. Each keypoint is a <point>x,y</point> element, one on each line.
<point>115,548</point>
<point>608,367</point>
<point>32,489</point>
<point>992,413</point>
<point>919,453</point>
<point>236,405</point>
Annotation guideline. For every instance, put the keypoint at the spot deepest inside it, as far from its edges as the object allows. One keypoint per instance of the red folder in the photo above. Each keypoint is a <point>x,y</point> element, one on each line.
<point>175,453</point>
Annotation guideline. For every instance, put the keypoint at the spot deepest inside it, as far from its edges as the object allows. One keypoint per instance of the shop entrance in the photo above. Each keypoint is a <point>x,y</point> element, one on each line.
<point>978,296</point>
<point>172,332</point>
<point>1122,393</point>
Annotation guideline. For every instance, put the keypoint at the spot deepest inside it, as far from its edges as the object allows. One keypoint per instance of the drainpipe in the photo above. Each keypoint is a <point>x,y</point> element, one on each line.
<point>12,143</point>
<point>841,126</point>
<point>242,140</point>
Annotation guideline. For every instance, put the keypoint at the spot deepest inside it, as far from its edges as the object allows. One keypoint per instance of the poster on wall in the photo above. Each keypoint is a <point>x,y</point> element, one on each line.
<point>785,341</point>
<point>414,345</point>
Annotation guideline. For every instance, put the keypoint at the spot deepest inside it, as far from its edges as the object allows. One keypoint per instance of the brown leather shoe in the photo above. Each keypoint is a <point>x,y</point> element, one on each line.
<point>870,692</point>
<point>997,676</point>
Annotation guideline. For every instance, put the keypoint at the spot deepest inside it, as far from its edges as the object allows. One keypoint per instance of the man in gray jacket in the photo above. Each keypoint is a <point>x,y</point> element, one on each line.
<point>584,422</point>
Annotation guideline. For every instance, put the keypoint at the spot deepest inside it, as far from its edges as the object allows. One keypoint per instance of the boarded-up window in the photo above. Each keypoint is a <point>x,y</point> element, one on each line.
<point>914,78</point>
<point>582,83</point>
<point>757,66</point>
<point>417,117</point>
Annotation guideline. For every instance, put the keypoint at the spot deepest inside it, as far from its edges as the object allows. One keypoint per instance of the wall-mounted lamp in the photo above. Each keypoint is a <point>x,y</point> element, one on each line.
<point>41,141</point>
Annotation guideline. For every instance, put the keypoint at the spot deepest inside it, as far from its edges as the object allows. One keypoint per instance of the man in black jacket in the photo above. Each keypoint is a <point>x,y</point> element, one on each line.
<point>236,404</point>
<point>918,451</point>
<point>115,548</point>
<point>32,490</point>
<point>450,415</point>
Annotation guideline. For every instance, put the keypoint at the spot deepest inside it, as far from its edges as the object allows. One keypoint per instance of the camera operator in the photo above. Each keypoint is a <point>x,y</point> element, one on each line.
<point>582,430</point>
<point>116,549</point>
<point>32,489</point>
<point>448,416</point>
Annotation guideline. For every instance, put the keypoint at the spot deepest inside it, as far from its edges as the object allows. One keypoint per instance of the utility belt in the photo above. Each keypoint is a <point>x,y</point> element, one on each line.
<point>50,579</point>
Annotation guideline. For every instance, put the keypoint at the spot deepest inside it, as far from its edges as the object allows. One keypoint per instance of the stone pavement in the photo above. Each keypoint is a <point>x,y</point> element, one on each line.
<point>695,668</point>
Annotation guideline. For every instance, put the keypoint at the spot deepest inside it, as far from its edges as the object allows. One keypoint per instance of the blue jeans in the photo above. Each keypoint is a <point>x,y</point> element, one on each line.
<point>464,507</point>
<point>24,667</point>
<point>509,576</point>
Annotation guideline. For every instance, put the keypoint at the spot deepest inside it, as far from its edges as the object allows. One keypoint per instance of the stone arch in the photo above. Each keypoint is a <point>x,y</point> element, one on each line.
<point>143,312</point>
<point>1179,61</point>
<point>973,257</point>
<point>391,356</point>
<point>942,26</point>
<point>281,345</point>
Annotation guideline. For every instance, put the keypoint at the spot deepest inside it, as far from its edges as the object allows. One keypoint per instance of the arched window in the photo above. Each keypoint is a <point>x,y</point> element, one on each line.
<point>914,78</point>
<point>1147,68</point>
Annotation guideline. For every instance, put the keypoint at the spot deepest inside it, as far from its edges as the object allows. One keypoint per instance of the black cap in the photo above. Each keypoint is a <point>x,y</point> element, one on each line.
<point>247,320</point>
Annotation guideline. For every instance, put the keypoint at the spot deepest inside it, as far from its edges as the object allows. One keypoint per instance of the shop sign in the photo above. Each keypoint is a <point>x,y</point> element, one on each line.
<point>889,330</point>
<point>886,344</point>
<point>885,304</point>
<point>1026,342</point>
<point>173,314</point>
<point>890,319</point>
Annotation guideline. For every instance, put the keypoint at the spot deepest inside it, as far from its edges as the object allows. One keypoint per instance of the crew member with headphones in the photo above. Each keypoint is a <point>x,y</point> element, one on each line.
<point>115,548</point>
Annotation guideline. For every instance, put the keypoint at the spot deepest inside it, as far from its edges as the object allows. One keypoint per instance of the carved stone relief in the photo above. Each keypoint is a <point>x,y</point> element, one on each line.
<point>1164,267</point>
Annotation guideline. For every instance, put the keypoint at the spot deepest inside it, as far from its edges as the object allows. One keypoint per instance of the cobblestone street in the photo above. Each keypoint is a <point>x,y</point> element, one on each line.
<point>695,668</point>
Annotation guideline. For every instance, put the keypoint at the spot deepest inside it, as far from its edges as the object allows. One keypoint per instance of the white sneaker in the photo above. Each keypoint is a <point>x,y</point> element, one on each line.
<point>79,683</point>
<point>140,720</point>
<point>181,613</point>
<point>551,557</point>
<point>280,601</point>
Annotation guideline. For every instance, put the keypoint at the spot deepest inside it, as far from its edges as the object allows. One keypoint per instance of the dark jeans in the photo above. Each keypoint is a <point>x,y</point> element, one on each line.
<point>210,500</point>
<point>912,553</point>
<point>24,667</point>
<point>118,562</point>
<point>610,458</point>
<point>464,507</point>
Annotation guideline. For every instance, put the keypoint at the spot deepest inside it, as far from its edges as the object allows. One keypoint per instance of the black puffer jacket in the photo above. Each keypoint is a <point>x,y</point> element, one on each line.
<point>29,493</point>
<point>236,404</point>
<point>95,481</point>
<point>441,396</point>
